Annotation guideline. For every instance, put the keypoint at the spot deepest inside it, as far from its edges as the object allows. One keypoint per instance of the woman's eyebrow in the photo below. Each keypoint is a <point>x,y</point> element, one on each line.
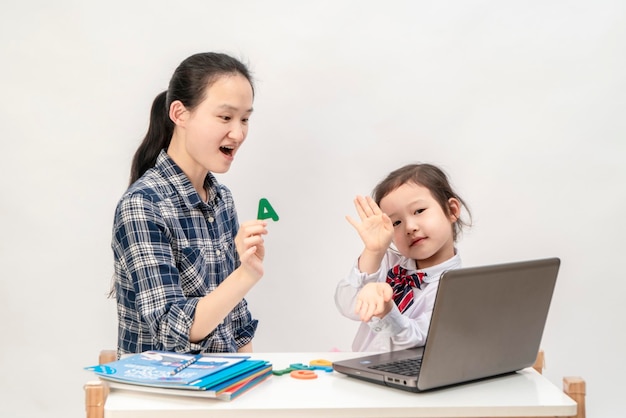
<point>233,108</point>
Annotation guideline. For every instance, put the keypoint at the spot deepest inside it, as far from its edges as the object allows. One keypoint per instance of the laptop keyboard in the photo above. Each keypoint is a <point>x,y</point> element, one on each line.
<point>406,367</point>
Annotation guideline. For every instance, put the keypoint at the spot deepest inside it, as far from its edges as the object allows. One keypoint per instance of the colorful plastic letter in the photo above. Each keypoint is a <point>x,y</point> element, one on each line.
<point>266,210</point>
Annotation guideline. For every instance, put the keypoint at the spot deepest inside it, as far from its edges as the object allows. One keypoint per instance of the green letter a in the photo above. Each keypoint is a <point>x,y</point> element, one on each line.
<point>266,210</point>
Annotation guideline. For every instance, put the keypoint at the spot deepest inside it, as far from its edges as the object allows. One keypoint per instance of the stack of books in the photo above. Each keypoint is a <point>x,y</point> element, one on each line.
<point>204,375</point>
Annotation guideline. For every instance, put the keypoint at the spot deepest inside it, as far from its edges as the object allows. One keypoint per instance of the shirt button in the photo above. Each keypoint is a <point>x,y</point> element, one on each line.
<point>377,329</point>
<point>211,219</point>
<point>218,252</point>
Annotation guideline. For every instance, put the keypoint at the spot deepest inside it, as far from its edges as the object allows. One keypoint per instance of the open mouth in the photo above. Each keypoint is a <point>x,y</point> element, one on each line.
<point>227,150</point>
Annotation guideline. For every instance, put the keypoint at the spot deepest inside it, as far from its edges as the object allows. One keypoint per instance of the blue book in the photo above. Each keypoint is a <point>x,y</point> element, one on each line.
<point>228,376</point>
<point>232,390</point>
<point>225,391</point>
<point>165,369</point>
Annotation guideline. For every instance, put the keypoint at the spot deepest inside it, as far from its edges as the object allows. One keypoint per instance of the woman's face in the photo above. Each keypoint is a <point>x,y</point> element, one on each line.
<point>213,132</point>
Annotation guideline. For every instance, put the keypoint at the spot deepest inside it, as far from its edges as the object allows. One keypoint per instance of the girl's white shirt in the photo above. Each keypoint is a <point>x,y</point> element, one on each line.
<point>396,331</point>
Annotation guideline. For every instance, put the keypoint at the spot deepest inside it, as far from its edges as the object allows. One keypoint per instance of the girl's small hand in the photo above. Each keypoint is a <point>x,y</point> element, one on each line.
<point>375,229</point>
<point>250,246</point>
<point>374,300</point>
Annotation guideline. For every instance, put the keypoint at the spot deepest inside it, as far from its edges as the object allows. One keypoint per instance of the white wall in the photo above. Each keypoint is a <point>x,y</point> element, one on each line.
<point>522,103</point>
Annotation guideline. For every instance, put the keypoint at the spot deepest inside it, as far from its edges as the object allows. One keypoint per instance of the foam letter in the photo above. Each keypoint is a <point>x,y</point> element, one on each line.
<point>266,210</point>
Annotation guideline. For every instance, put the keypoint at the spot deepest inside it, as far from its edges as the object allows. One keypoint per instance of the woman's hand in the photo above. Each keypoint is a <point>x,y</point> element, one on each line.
<point>250,246</point>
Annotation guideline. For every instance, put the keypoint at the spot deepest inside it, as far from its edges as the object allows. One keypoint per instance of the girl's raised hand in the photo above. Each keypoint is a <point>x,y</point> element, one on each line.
<point>375,228</point>
<point>251,248</point>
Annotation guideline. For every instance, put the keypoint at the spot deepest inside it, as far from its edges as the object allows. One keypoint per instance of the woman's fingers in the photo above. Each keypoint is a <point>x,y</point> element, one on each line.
<point>254,228</point>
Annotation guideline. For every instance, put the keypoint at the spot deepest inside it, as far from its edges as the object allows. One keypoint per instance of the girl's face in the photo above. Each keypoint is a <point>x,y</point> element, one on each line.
<point>421,229</point>
<point>213,132</point>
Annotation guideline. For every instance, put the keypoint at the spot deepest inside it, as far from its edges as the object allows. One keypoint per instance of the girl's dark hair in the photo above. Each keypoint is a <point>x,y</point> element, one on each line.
<point>188,84</point>
<point>429,176</point>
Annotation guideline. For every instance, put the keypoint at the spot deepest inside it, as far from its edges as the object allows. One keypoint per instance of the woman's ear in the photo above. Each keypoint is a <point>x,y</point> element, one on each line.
<point>455,209</point>
<point>178,113</point>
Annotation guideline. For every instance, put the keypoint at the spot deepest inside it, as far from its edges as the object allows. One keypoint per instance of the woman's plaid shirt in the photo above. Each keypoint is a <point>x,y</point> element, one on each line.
<point>170,249</point>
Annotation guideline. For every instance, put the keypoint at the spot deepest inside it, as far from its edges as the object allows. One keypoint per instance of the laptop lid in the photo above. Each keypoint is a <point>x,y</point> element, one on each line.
<point>487,321</point>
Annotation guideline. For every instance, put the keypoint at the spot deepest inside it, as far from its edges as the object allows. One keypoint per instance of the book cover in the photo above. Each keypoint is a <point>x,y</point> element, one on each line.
<point>227,375</point>
<point>225,391</point>
<point>237,389</point>
<point>161,368</point>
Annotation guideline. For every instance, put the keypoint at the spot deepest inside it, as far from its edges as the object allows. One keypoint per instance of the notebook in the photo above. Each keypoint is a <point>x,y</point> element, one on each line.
<point>487,321</point>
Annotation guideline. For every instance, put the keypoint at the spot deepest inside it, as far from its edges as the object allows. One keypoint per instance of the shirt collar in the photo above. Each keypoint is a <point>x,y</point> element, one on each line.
<point>182,184</point>
<point>433,273</point>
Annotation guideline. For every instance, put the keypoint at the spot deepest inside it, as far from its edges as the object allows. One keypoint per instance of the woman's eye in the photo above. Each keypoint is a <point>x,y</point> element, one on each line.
<point>244,121</point>
<point>226,118</point>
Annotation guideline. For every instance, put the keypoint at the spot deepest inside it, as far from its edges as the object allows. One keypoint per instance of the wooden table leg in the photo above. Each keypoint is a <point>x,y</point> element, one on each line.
<point>540,362</point>
<point>107,356</point>
<point>575,388</point>
<point>96,393</point>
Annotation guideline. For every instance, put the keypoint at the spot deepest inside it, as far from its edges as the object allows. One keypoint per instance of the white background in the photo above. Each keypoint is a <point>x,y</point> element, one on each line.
<point>522,103</point>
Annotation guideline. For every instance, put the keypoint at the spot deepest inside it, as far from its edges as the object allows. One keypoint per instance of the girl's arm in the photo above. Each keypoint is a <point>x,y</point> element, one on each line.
<point>349,287</point>
<point>410,329</point>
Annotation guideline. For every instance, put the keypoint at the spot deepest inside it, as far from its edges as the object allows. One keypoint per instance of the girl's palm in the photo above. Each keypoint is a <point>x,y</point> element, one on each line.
<point>375,228</point>
<point>374,232</point>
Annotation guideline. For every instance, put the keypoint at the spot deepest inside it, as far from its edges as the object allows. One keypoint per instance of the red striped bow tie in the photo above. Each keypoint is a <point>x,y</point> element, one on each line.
<point>403,284</point>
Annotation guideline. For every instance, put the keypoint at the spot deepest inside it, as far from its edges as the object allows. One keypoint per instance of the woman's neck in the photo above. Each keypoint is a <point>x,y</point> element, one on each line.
<point>192,170</point>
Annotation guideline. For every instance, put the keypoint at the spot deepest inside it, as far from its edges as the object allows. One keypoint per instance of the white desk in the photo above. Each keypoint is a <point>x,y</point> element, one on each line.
<point>526,393</point>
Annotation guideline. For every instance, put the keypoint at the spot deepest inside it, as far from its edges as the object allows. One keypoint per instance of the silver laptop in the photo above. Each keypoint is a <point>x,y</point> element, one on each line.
<point>487,321</point>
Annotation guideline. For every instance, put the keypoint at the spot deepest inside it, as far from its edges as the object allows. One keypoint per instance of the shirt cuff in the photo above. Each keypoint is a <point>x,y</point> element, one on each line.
<point>245,334</point>
<point>357,278</point>
<point>394,321</point>
<point>378,326</point>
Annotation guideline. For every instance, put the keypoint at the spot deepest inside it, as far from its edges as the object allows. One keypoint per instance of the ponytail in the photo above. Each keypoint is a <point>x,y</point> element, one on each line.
<point>157,138</point>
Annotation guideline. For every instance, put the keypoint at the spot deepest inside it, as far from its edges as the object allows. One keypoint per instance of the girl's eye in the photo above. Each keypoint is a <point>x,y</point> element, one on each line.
<point>395,223</point>
<point>418,211</point>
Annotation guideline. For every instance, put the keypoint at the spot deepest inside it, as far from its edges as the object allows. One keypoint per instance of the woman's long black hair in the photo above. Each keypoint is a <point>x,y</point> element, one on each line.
<point>189,84</point>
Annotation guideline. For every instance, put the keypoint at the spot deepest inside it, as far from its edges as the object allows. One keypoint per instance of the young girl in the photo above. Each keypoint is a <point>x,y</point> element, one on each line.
<point>392,291</point>
<point>183,264</point>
